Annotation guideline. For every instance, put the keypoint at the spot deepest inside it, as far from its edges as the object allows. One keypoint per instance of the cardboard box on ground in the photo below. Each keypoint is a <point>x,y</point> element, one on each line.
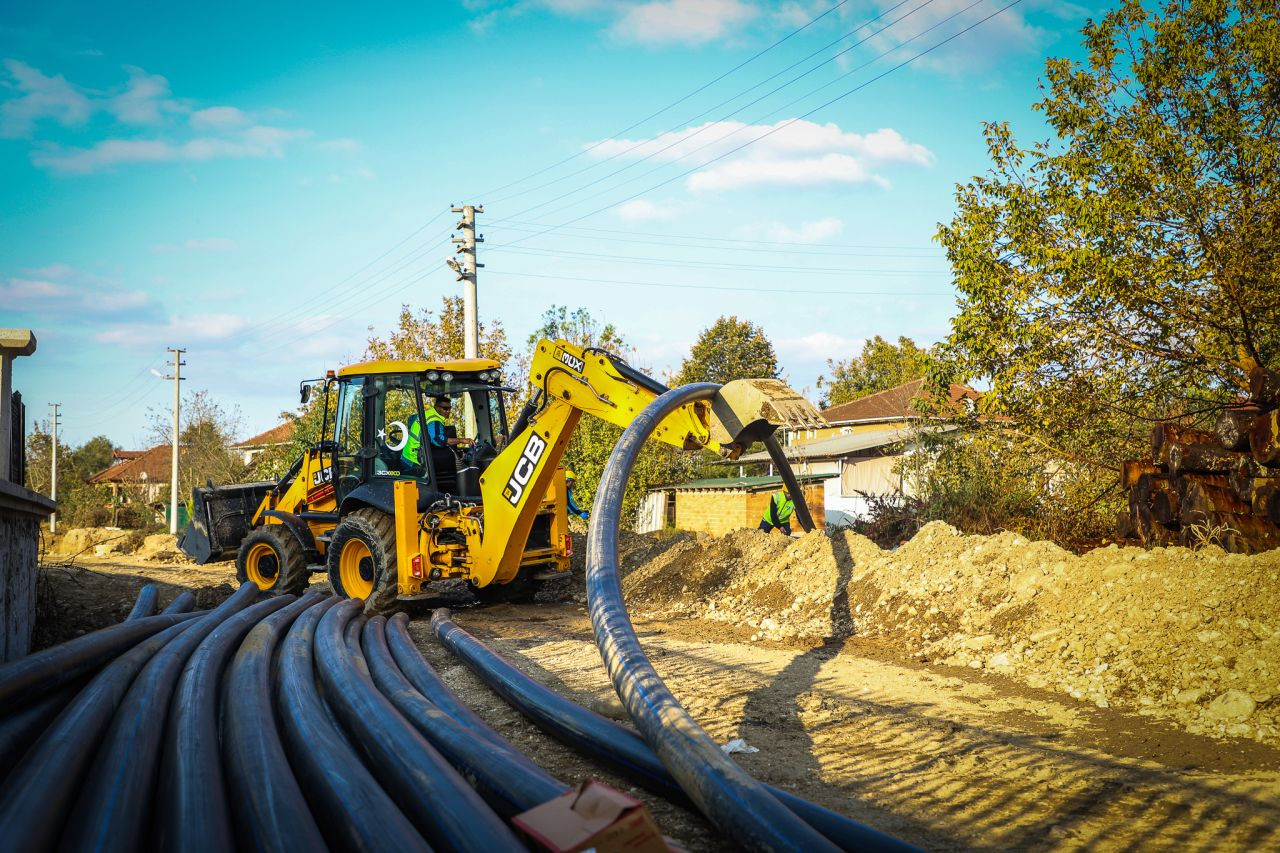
<point>592,817</point>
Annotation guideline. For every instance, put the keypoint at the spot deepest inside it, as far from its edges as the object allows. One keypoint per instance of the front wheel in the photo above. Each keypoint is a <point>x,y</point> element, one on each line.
<point>362,560</point>
<point>272,558</point>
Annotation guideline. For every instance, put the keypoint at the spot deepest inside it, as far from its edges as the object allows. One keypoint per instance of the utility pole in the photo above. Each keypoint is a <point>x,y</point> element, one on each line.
<point>177,405</point>
<point>466,271</point>
<point>53,486</point>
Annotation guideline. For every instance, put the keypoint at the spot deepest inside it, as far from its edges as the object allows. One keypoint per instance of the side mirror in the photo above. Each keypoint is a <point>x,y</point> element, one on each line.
<point>305,394</point>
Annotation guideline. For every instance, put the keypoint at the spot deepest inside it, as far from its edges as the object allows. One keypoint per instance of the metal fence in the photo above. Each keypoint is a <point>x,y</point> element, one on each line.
<point>18,441</point>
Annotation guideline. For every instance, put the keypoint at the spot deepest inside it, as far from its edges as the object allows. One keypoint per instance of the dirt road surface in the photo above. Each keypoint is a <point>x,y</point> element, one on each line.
<point>946,756</point>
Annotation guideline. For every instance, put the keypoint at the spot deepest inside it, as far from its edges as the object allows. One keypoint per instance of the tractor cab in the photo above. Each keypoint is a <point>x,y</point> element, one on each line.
<point>439,423</point>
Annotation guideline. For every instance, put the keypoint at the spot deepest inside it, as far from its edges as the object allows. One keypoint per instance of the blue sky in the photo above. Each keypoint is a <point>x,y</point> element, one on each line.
<point>260,184</point>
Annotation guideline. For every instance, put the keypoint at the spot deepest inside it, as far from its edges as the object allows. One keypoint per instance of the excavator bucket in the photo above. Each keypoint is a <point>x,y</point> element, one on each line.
<point>750,410</point>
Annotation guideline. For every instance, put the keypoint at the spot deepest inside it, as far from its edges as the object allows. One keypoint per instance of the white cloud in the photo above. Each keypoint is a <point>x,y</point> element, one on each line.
<point>257,141</point>
<point>41,97</point>
<point>202,328</point>
<point>212,118</point>
<point>787,153</point>
<point>642,210</point>
<point>75,295</point>
<point>686,21</point>
<point>54,271</point>
<point>1006,34</point>
<point>809,232</point>
<point>144,99</point>
<point>342,145</point>
<point>817,346</point>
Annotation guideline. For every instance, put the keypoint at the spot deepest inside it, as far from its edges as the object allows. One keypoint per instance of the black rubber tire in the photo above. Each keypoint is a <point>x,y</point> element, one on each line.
<point>377,530</point>
<point>292,575</point>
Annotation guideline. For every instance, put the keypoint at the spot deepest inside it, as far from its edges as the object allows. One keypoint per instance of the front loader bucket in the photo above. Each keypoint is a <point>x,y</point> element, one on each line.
<point>221,517</point>
<point>750,410</point>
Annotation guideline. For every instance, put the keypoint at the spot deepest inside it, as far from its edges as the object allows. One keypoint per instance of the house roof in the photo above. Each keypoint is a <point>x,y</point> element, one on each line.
<point>276,435</point>
<point>896,402</point>
<point>741,484</point>
<point>154,463</point>
<point>843,445</point>
<point>122,455</point>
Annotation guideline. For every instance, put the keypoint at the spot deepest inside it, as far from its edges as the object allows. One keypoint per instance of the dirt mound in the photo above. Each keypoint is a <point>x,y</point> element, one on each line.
<point>98,540</point>
<point>161,547</point>
<point>1191,635</point>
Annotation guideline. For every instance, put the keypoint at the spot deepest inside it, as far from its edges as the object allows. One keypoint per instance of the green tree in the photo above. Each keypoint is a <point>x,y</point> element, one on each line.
<point>80,503</point>
<point>207,433</point>
<point>879,366</point>
<point>1127,269</point>
<point>729,349</point>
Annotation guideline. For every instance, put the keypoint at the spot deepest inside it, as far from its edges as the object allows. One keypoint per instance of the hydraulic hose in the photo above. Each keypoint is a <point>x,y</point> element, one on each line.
<point>352,809</point>
<point>27,679</point>
<point>269,809</point>
<point>115,803</point>
<point>36,801</point>
<point>148,598</point>
<point>737,804</point>
<point>446,810</point>
<point>193,811</point>
<point>789,480</point>
<point>184,603</point>
<point>626,751</point>
<point>508,781</point>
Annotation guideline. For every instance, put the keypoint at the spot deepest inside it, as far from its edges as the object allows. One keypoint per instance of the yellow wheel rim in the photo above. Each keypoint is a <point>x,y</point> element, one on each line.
<point>262,565</point>
<point>355,569</point>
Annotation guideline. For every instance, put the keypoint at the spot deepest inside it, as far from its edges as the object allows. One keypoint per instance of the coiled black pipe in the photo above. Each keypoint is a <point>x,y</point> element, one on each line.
<point>184,603</point>
<point>193,812</point>
<point>509,781</point>
<point>737,804</point>
<point>26,679</point>
<point>267,803</point>
<point>353,811</point>
<point>148,598</point>
<point>116,800</point>
<point>447,811</point>
<point>626,751</point>
<point>36,801</point>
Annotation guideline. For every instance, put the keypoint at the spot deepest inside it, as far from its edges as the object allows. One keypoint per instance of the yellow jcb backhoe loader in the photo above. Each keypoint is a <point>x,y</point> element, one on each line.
<point>387,509</point>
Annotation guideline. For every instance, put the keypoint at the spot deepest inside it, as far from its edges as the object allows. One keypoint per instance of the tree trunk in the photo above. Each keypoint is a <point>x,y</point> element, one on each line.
<point>1264,386</point>
<point>1234,425</point>
<point>1164,506</point>
<point>1148,485</point>
<point>1201,457</point>
<point>1264,438</point>
<point>1132,469</point>
<point>1201,503</point>
<point>1243,474</point>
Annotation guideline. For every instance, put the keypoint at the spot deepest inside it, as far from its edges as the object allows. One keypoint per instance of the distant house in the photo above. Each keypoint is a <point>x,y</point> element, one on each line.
<point>251,448</point>
<point>722,504</point>
<point>137,477</point>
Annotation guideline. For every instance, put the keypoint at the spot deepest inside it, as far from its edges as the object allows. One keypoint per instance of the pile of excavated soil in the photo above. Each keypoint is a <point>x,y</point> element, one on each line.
<point>161,547</point>
<point>1188,635</point>
<point>113,541</point>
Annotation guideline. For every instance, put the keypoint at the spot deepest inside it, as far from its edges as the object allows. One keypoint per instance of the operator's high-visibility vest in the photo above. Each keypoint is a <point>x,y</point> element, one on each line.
<point>412,448</point>
<point>779,510</point>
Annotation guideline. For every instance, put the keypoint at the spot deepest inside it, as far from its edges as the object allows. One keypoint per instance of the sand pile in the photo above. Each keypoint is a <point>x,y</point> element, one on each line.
<point>162,547</point>
<point>1191,635</point>
<point>99,541</point>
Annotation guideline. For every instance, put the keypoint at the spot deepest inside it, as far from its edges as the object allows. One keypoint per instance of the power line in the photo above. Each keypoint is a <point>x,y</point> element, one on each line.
<point>783,125</point>
<point>684,286</point>
<point>673,104</point>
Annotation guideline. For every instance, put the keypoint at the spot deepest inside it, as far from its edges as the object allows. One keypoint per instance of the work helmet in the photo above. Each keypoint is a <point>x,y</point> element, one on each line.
<point>569,475</point>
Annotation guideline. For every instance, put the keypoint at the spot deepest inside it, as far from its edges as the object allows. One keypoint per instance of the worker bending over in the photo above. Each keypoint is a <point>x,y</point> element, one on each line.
<point>778,513</point>
<point>569,479</point>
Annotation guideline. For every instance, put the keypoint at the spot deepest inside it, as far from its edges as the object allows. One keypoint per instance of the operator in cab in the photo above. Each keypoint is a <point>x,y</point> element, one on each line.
<point>436,417</point>
<point>778,513</point>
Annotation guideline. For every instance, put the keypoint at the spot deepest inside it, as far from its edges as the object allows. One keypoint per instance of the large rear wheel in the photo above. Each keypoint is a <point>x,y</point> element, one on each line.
<point>272,558</point>
<point>362,560</point>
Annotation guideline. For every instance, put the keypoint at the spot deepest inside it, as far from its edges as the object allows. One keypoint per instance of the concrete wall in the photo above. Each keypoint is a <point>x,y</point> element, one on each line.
<point>721,512</point>
<point>21,511</point>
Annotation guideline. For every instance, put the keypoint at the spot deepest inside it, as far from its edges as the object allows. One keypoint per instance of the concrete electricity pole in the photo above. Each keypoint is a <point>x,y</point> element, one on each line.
<point>466,271</point>
<point>178,364</point>
<point>53,486</point>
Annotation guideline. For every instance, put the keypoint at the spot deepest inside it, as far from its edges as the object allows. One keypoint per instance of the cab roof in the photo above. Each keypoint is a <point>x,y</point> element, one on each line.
<point>462,365</point>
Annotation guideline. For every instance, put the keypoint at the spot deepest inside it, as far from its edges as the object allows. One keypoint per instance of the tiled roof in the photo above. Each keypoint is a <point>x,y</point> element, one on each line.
<point>276,435</point>
<point>894,402</point>
<point>155,463</point>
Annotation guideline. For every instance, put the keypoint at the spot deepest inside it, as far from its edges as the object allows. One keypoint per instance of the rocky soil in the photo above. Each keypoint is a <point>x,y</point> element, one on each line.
<point>1189,636</point>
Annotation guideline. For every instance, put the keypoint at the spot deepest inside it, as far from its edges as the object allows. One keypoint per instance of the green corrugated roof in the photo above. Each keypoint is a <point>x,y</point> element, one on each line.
<point>745,483</point>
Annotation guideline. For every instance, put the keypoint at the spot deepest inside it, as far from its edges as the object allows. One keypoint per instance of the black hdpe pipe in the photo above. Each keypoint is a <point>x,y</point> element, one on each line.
<point>738,805</point>
<point>184,603</point>
<point>193,811</point>
<point>620,747</point>
<point>20,730</point>
<point>27,679</point>
<point>148,598</point>
<point>509,781</point>
<point>446,810</point>
<point>789,480</point>
<point>352,809</point>
<point>115,803</point>
<point>269,809</point>
<point>36,801</point>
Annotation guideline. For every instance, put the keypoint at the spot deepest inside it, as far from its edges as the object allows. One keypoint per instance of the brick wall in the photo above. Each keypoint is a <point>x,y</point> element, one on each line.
<point>722,512</point>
